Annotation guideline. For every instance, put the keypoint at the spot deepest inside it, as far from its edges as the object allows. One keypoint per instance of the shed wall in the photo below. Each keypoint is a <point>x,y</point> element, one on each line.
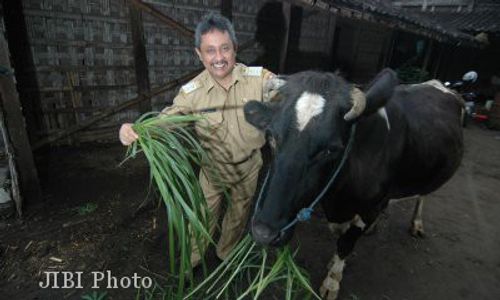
<point>83,57</point>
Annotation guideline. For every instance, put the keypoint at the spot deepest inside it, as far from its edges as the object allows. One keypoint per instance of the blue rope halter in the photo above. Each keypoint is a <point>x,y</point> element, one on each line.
<point>305,213</point>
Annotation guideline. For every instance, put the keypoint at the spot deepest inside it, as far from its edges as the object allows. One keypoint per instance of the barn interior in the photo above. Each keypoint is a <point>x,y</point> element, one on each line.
<point>72,71</point>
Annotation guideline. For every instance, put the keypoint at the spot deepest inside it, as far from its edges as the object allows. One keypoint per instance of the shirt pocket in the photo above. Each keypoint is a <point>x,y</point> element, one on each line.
<point>211,120</point>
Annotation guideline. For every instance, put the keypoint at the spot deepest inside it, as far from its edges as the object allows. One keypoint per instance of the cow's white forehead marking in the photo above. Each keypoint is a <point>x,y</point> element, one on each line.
<point>383,113</point>
<point>438,85</point>
<point>308,105</point>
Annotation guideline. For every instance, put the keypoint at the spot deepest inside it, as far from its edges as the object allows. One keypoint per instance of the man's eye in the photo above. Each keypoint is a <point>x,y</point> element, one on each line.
<point>211,51</point>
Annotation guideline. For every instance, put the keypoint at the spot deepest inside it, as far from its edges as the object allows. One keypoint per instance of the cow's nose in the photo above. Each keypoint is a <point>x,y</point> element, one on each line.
<point>262,234</point>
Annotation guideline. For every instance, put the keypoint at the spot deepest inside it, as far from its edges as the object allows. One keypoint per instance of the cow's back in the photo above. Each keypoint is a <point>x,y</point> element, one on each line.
<point>432,132</point>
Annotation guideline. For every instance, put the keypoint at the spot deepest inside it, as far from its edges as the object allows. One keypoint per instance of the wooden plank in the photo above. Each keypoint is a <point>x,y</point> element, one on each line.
<point>226,9</point>
<point>17,136</point>
<point>287,13</point>
<point>164,18</point>
<point>140,57</point>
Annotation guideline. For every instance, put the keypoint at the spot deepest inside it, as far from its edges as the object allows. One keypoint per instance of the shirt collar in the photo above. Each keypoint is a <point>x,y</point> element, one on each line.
<point>237,75</point>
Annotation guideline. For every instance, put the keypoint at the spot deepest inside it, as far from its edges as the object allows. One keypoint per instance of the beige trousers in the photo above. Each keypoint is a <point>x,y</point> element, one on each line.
<point>238,182</point>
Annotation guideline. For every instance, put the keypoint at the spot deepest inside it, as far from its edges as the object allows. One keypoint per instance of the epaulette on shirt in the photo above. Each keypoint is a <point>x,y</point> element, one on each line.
<point>190,87</point>
<point>252,71</point>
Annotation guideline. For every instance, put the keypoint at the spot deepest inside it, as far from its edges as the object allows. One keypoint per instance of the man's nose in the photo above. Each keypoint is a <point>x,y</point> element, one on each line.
<point>219,55</point>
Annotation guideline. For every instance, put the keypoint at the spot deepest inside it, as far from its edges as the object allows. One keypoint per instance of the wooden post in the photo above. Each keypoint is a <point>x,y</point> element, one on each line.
<point>332,23</point>
<point>22,59</point>
<point>287,12</point>
<point>226,9</point>
<point>140,57</point>
<point>427,57</point>
<point>437,66</point>
<point>389,52</point>
<point>16,132</point>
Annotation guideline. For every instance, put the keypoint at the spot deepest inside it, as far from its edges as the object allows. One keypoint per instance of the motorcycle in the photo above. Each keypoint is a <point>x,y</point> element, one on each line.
<point>474,111</point>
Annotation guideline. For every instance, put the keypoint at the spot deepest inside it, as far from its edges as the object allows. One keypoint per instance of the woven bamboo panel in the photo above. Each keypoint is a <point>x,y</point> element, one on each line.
<point>83,54</point>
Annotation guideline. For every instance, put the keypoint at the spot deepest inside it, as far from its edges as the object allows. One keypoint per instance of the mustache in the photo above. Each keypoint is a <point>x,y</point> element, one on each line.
<point>220,62</point>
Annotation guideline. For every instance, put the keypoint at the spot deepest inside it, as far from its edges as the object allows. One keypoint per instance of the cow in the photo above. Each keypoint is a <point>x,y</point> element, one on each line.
<point>351,151</point>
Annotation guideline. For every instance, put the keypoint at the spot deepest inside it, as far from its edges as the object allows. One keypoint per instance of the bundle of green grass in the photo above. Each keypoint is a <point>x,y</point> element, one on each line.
<point>173,152</point>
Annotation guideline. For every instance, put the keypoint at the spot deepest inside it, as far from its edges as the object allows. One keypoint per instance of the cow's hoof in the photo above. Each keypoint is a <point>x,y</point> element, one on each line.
<point>329,289</point>
<point>417,229</point>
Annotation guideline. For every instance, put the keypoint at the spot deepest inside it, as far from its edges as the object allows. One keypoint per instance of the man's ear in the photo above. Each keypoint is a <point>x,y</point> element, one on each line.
<point>259,114</point>
<point>380,90</point>
<point>198,52</point>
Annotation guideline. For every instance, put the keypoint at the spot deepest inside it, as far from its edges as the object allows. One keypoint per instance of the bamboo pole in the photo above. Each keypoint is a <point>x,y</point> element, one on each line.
<point>113,110</point>
<point>164,18</point>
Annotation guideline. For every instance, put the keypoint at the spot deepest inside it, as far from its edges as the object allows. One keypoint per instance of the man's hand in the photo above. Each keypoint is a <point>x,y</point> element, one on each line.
<point>127,134</point>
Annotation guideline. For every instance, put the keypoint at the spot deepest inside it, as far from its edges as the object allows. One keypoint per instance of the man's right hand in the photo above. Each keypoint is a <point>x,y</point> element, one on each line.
<point>127,134</point>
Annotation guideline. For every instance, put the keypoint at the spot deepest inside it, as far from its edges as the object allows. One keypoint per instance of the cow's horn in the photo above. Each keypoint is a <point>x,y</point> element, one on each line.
<point>274,83</point>
<point>358,104</point>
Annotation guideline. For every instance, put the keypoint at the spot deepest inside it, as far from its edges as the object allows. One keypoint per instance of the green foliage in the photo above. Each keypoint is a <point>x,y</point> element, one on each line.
<point>258,268</point>
<point>172,150</point>
<point>95,295</point>
<point>85,209</point>
<point>411,74</point>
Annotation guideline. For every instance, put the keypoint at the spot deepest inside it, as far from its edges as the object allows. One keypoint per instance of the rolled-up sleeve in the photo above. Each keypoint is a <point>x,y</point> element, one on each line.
<point>268,95</point>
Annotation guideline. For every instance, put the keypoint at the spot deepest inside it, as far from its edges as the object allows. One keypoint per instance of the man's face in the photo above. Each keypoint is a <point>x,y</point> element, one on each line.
<point>217,53</point>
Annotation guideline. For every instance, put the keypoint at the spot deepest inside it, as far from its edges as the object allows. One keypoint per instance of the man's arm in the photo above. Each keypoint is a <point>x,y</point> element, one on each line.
<point>180,105</point>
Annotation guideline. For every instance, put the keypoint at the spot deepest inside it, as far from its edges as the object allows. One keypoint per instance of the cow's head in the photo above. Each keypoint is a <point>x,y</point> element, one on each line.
<point>308,131</point>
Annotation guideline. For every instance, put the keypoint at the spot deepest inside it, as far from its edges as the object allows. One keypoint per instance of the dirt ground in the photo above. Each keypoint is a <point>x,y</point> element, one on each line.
<point>90,220</point>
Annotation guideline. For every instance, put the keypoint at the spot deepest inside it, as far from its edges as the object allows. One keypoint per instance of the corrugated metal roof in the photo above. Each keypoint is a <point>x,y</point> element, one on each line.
<point>383,11</point>
<point>479,20</point>
<point>420,20</point>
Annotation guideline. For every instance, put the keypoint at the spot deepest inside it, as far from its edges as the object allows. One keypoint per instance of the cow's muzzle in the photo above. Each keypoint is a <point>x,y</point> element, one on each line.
<point>264,235</point>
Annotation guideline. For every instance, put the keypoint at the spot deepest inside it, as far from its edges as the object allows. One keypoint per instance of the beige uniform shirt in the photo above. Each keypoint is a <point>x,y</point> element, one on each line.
<point>223,131</point>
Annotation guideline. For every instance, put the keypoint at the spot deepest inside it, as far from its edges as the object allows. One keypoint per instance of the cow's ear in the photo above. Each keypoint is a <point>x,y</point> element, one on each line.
<point>259,114</point>
<point>380,90</point>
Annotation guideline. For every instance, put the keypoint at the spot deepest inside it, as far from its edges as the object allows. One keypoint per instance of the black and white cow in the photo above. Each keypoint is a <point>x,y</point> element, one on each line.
<point>394,140</point>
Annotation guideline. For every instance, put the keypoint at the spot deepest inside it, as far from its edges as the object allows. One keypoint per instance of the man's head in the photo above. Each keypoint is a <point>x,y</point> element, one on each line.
<point>216,44</point>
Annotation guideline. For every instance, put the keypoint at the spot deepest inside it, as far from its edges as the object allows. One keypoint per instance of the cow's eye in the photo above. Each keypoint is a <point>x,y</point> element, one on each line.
<point>323,154</point>
<point>272,142</point>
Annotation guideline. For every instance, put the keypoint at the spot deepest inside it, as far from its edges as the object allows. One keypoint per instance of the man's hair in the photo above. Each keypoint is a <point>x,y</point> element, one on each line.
<point>213,21</point>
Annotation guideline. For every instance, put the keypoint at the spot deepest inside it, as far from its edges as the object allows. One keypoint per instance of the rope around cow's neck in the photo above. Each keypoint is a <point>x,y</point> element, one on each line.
<point>305,213</point>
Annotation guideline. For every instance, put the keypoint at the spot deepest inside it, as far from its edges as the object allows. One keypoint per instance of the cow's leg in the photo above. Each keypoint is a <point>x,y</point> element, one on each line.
<point>417,225</point>
<point>331,285</point>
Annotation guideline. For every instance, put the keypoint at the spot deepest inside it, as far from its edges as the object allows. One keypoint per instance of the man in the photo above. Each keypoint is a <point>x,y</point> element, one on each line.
<point>233,145</point>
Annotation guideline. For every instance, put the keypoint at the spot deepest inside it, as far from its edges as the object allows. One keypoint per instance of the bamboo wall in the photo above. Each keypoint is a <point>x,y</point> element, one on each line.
<point>84,63</point>
<point>83,60</point>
